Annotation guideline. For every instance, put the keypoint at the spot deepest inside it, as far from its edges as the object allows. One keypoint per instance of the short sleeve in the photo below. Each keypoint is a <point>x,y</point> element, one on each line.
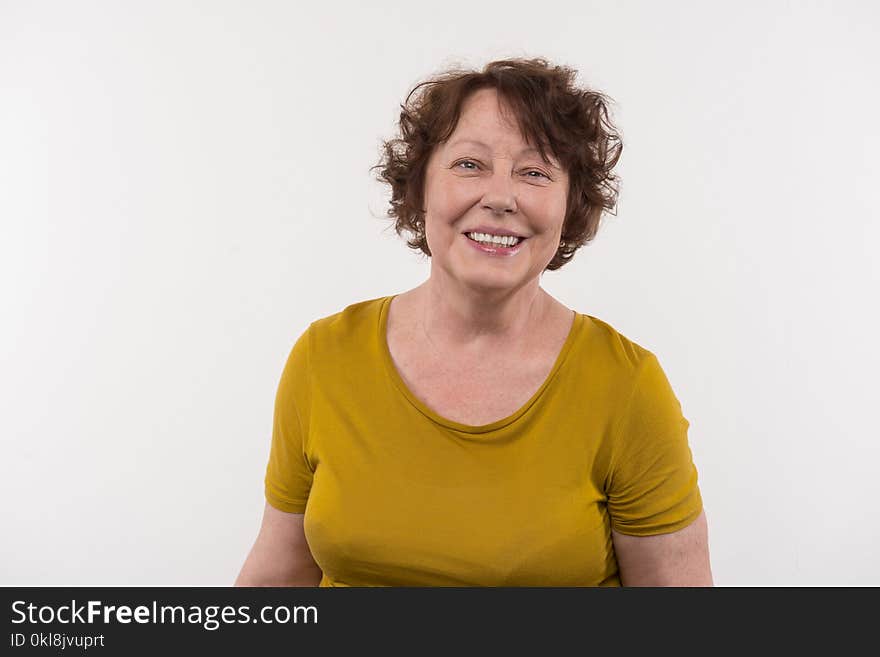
<point>652,486</point>
<point>288,474</point>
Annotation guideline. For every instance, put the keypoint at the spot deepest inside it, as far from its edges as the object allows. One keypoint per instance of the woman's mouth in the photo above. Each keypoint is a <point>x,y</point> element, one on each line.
<point>505,248</point>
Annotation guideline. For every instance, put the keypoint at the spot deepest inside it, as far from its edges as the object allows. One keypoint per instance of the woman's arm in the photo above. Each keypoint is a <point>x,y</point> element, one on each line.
<point>280,556</point>
<point>677,559</point>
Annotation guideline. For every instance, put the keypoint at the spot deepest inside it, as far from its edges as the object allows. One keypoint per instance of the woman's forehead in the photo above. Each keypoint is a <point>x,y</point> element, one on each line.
<point>485,108</point>
<point>484,120</point>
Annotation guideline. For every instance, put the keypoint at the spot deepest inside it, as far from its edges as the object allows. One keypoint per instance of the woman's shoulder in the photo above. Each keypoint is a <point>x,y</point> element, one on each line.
<point>626,365</point>
<point>351,332</point>
<point>615,349</point>
<point>354,315</point>
<point>343,341</point>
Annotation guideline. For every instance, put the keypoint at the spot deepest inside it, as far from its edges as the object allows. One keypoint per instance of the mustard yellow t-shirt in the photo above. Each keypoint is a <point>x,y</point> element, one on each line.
<point>396,495</point>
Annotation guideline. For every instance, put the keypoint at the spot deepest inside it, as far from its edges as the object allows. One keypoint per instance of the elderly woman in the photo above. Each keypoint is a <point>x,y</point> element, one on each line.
<point>474,431</point>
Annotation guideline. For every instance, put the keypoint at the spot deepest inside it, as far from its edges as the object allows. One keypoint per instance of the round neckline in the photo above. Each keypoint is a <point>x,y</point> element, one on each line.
<point>458,426</point>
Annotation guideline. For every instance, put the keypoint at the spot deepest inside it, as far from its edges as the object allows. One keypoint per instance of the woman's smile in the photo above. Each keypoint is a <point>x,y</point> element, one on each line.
<point>495,249</point>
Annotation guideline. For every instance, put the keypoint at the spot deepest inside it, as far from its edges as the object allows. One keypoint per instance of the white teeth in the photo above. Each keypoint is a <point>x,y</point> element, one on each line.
<point>507,240</point>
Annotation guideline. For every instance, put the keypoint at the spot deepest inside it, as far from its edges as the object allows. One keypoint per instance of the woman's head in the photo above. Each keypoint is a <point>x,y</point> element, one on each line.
<point>566,179</point>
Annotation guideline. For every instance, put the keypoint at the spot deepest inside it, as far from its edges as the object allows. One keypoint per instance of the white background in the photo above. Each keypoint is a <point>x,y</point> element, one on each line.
<point>185,186</point>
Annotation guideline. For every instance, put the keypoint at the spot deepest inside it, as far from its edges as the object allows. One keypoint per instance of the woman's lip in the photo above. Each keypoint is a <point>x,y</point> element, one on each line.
<point>495,250</point>
<point>495,234</point>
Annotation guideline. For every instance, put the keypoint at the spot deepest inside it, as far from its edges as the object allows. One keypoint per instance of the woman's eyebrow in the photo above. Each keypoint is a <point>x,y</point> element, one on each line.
<point>525,151</point>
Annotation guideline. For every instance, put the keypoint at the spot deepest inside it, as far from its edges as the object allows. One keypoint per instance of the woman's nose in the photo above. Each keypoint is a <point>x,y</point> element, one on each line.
<point>500,194</point>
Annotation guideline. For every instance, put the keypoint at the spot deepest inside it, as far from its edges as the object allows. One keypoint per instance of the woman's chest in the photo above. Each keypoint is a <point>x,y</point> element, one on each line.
<point>405,511</point>
<point>468,393</point>
<point>480,387</point>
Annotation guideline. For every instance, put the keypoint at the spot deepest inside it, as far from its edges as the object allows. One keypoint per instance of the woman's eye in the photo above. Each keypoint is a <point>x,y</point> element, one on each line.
<point>540,173</point>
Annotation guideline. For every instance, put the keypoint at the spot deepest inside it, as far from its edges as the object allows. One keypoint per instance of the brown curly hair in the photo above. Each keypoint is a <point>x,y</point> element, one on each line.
<point>552,114</point>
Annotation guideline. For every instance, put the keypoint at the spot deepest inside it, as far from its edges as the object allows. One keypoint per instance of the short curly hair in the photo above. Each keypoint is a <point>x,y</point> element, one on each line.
<point>551,113</point>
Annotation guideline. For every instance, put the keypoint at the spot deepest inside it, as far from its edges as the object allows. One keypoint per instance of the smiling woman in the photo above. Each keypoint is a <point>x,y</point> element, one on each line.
<point>507,176</point>
<point>564,130</point>
<point>474,431</point>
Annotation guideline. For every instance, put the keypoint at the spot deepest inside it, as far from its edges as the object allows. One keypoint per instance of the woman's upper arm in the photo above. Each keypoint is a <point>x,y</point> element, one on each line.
<point>680,558</point>
<point>280,555</point>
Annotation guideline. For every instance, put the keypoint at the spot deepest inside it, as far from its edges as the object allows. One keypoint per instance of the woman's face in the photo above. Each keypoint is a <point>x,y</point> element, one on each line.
<point>485,175</point>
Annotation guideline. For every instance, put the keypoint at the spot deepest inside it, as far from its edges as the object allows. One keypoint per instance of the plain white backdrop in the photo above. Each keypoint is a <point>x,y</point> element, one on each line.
<point>185,186</point>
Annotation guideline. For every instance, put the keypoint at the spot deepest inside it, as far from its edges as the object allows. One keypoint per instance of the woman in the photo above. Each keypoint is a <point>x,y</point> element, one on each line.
<point>474,431</point>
